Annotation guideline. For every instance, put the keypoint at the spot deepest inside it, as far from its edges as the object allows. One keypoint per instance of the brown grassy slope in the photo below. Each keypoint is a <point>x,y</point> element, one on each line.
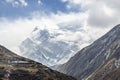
<point>14,67</point>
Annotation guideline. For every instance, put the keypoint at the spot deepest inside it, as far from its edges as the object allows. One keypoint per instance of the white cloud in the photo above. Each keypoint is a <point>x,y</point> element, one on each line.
<point>40,2</point>
<point>13,32</point>
<point>16,31</point>
<point>17,3</point>
<point>95,16</point>
<point>23,2</point>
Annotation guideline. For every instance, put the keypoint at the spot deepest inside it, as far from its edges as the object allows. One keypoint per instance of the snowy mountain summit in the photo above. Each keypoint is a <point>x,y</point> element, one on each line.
<point>46,47</point>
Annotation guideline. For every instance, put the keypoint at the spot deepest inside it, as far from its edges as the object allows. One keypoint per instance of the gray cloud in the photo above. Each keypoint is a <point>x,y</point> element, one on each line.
<point>101,13</point>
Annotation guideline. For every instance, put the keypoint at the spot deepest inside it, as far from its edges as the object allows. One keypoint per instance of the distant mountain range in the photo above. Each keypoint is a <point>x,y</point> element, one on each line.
<point>98,61</point>
<point>14,67</point>
<point>53,47</point>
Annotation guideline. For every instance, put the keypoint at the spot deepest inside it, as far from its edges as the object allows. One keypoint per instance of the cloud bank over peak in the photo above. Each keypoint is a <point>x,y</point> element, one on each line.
<point>77,17</point>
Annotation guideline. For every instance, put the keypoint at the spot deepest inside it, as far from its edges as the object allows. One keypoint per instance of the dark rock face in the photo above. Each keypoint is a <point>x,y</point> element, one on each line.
<point>94,57</point>
<point>14,67</point>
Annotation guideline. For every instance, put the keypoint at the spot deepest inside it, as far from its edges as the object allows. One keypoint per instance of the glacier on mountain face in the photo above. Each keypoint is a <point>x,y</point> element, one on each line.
<point>53,47</point>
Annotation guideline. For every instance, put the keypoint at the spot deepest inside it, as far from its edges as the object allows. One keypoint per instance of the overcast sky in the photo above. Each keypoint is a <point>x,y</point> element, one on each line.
<point>19,17</point>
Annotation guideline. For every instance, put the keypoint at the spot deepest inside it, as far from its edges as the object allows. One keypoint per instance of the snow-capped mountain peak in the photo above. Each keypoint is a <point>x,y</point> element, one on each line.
<point>39,46</point>
<point>52,47</point>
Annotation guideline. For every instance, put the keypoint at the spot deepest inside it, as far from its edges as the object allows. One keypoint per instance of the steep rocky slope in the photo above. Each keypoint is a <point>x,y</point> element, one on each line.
<point>14,67</point>
<point>110,71</point>
<point>95,58</point>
